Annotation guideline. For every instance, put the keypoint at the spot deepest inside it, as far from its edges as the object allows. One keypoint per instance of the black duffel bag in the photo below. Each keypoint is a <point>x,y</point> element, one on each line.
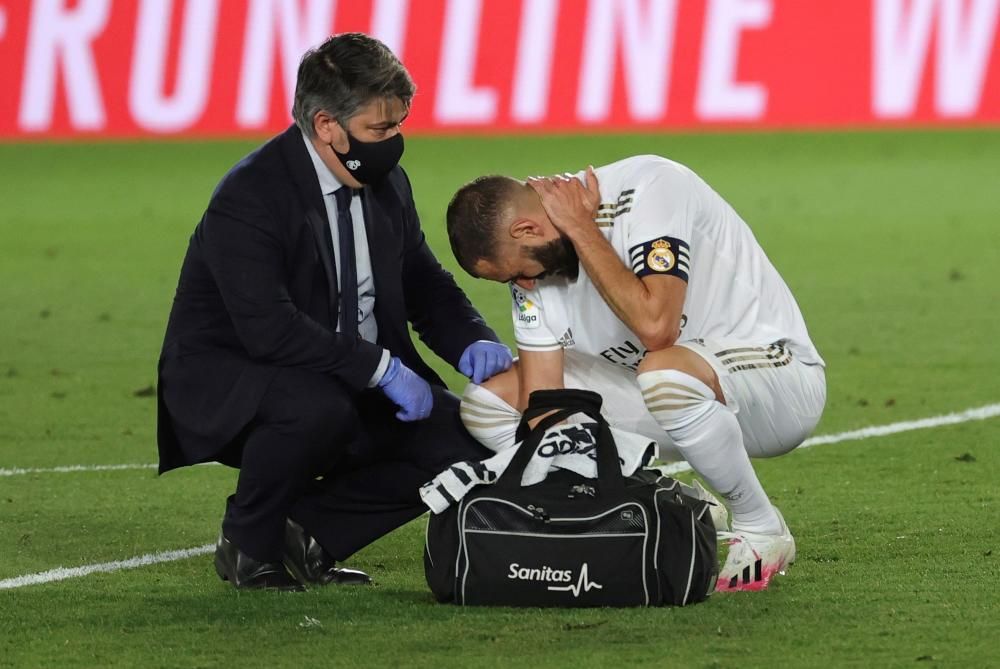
<point>570,540</point>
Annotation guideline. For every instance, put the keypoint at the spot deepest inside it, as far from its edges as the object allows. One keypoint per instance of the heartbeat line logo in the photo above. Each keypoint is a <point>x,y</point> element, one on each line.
<point>583,584</point>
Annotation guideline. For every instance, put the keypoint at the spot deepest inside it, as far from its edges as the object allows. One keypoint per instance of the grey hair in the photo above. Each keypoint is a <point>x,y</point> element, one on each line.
<point>345,73</point>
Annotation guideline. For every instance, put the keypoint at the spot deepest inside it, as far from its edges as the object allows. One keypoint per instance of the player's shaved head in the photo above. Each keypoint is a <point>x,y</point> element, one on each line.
<point>477,212</point>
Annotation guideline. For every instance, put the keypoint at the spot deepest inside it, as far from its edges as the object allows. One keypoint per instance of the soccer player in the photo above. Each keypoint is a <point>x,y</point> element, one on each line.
<point>640,282</point>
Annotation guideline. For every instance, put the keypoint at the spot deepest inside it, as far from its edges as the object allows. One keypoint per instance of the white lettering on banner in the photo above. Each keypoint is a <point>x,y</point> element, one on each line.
<point>149,106</point>
<point>719,95</point>
<point>283,21</point>
<point>898,55</point>
<point>646,38</point>
<point>458,100</point>
<point>533,69</point>
<point>389,19</point>
<point>3,22</point>
<point>963,55</point>
<point>901,33</point>
<point>60,39</point>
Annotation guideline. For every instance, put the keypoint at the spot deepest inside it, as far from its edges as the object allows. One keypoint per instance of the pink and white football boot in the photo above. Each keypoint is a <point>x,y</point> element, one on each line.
<point>754,558</point>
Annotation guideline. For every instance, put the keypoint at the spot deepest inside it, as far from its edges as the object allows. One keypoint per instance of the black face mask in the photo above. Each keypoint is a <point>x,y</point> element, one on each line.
<point>558,257</point>
<point>370,161</point>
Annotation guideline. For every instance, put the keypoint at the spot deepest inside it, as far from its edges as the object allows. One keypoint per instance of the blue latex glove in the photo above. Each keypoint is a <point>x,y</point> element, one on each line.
<point>408,391</point>
<point>483,359</point>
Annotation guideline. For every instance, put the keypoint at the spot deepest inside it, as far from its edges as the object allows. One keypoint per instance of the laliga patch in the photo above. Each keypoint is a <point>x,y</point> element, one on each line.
<point>526,312</point>
<point>664,255</point>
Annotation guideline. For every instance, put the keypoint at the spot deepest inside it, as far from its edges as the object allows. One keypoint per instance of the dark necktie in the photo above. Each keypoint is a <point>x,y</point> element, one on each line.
<point>348,264</point>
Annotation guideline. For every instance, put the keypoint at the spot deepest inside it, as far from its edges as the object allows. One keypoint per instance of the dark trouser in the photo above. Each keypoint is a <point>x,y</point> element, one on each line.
<point>371,465</point>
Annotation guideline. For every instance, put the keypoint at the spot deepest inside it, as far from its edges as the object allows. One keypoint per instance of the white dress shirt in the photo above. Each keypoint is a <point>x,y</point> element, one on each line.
<point>367,326</point>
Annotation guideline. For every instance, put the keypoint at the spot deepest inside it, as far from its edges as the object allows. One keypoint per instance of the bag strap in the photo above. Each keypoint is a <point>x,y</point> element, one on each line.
<point>563,404</point>
<point>543,401</point>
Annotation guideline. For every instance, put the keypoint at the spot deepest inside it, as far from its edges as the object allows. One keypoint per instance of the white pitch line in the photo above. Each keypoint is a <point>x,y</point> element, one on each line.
<point>15,471</point>
<point>62,573</point>
<point>979,413</point>
<point>71,469</point>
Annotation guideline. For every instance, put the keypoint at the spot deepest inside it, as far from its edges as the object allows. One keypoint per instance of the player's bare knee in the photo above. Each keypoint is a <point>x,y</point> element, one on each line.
<point>664,358</point>
<point>682,359</point>
<point>505,385</point>
<point>489,412</point>
<point>675,398</point>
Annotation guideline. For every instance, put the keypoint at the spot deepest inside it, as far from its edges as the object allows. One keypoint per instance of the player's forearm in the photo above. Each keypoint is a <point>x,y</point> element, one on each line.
<point>653,321</point>
<point>538,370</point>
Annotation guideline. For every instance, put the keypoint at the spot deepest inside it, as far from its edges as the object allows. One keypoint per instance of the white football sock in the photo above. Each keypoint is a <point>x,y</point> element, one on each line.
<point>488,418</point>
<point>708,435</point>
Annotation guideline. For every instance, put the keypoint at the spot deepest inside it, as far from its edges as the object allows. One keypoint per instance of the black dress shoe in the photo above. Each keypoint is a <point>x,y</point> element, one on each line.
<point>235,566</point>
<point>307,560</point>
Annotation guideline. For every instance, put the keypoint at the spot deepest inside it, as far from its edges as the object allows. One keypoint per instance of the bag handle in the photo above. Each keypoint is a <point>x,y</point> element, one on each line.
<point>564,403</point>
<point>542,401</point>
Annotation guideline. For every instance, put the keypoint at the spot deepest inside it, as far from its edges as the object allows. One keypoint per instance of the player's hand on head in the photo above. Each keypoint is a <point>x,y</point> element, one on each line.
<point>570,204</point>
<point>484,359</point>
<point>593,189</point>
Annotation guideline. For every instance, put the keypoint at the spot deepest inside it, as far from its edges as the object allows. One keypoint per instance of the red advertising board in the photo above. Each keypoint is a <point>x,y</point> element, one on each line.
<point>125,68</point>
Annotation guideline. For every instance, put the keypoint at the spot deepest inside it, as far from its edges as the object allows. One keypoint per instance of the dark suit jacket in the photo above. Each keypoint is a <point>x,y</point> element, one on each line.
<point>258,292</point>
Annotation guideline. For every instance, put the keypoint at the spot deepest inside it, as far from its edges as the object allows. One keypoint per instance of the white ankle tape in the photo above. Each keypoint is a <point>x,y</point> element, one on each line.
<point>488,418</point>
<point>674,398</point>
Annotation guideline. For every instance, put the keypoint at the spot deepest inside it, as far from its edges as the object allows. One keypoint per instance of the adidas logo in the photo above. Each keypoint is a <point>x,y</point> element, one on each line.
<point>734,582</point>
<point>566,340</point>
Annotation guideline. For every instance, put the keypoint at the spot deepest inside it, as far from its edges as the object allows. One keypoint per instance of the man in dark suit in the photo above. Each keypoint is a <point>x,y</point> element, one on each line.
<point>287,352</point>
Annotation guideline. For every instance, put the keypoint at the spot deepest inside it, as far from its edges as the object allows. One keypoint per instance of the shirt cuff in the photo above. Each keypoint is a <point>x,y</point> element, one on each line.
<point>380,371</point>
<point>537,345</point>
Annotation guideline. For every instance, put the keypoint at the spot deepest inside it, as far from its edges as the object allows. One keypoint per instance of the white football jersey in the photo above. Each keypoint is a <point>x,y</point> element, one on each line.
<point>661,218</point>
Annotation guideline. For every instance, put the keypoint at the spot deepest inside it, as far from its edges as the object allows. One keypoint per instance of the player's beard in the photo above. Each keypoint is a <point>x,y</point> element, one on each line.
<point>558,257</point>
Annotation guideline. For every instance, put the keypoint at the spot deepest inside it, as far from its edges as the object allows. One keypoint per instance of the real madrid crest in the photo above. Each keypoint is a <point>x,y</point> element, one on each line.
<point>661,258</point>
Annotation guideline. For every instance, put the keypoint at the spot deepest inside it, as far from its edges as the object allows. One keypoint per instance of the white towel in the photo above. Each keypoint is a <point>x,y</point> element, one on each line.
<point>571,446</point>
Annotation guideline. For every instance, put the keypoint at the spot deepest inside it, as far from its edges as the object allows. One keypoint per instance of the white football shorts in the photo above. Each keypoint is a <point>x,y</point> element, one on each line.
<point>777,399</point>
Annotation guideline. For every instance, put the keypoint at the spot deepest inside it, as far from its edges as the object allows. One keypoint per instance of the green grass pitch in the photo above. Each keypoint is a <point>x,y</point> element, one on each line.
<point>889,240</point>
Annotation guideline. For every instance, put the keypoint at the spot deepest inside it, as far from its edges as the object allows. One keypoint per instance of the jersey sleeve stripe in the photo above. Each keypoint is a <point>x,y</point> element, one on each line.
<point>538,347</point>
